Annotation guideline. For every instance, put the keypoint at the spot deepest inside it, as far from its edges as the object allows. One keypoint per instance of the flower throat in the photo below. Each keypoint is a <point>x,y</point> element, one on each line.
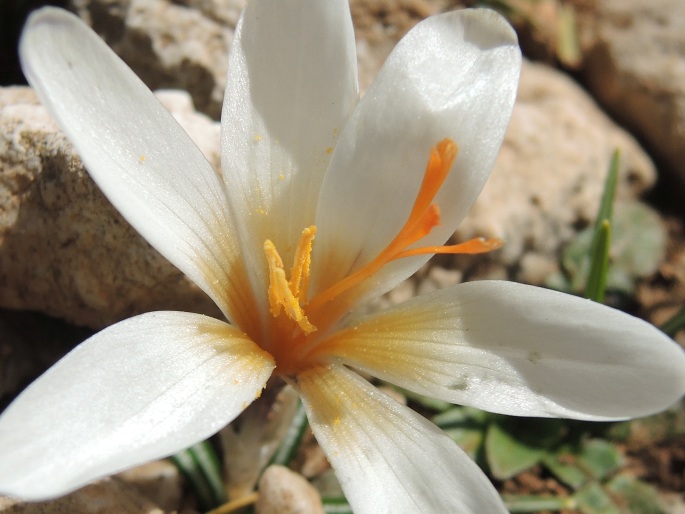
<point>289,297</point>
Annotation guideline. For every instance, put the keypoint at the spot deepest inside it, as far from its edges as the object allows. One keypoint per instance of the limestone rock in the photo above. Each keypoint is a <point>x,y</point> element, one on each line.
<point>169,45</point>
<point>104,497</point>
<point>64,250</point>
<point>159,481</point>
<point>549,176</point>
<point>635,66</point>
<point>225,12</point>
<point>379,25</point>
<point>184,43</point>
<point>205,133</point>
<point>282,491</point>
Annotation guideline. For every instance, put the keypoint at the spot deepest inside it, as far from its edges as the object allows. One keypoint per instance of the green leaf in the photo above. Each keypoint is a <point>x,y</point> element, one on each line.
<point>292,439</point>
<point>525,503</point>
<point>592,499</point>
<point>635,495</point>
<point>466,426</point>
<point>638,242</point>
<point>461,417</point>
<point>600,458</point>
<point>207,460</point>
<point>568,46</point>
<point>639,238</point>
<point>513,445</point>
<point>630,236</point>
<point>675,324</point>
<point>336,506</point>
<point>193,470</point>
<point>599,250</point>
<point>563,466</point>
<point>469,440</point>
<point>599,263</point>
<point>606,206</point>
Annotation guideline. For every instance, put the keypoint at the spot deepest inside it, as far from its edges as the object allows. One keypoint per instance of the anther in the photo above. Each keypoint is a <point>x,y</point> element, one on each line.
<point>287,296</point>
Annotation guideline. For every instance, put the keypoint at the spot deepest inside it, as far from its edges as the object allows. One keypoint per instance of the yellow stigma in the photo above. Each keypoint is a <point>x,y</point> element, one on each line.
<point>289,295</point>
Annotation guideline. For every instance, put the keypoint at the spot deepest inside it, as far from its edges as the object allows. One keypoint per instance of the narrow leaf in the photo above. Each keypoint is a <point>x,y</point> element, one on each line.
<point>336,506</point>
<point>568,46</point>
<point>524,503</point>
<point>599,263</point>
<point>197,480</point>
<point>292,439</point>
<point>204,455</point>
<point>675,324</point>
<point>599,250</point>
<point>610,185</point>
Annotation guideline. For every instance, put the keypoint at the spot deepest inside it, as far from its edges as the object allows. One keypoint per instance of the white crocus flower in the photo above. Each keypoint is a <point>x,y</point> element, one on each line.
<point>348,190</point>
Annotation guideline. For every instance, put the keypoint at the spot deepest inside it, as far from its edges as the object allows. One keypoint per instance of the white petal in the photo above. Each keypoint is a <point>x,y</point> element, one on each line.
<point>292,83</point>
<point>144,162</point>
<point>454,75</point>
<point>520,350</point>
<point>387,457</point>
<point>142,389</point>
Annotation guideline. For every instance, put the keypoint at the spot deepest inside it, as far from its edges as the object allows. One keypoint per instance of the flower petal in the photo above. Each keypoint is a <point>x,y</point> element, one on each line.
<point>140,157</point>
<point>292,83</point>
<point>387,457</point>
<point>520,350</point>
<point>454,76</point>
<point>142,389</point>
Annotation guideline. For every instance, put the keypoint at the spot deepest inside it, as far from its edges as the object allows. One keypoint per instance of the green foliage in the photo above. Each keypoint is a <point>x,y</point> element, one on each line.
<point>513,445</point>
<point>466,426</point>
<point>638,496</point>
<point>589,466</point>
<point>200,466</point>
<point>675,324</point>
<point>336,506</point>
<point>292,439</point>
<point>627,242</point>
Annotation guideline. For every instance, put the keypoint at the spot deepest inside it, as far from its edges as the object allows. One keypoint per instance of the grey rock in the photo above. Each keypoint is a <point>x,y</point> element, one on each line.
<point>170,45</point>
<point>635,66</point>
<point>104,497</point>
<point>159,481</point>
<point>282,491</point>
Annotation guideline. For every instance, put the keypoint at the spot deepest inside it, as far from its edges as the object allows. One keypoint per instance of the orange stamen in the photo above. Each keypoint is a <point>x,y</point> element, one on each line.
<point>423,217</point>
<point>290,296</point>
<point>470,247</point>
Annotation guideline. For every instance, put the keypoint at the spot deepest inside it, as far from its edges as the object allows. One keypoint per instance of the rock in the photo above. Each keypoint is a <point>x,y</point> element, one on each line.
<point>634,65</point>
<point>184,43</point>
<point>64,250</point>
<point>549,176</point>
<point>379,25</point>
<point>282,491</point>
<point>104,497</point>
<point>438,278</point>
<point>169,45</point>
<point>205,133</point>
<point>159,481</point>
<point>224,12</point>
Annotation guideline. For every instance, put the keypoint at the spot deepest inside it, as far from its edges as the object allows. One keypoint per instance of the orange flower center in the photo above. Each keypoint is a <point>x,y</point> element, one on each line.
<point>288,297</point>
